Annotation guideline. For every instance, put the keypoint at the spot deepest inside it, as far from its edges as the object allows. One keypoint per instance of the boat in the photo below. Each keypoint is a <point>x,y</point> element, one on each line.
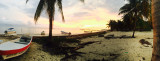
<point>42,33</point>
<point>65,33</point>
<point>87,31</point>
<point>10,31</point>
<point>14,48</point>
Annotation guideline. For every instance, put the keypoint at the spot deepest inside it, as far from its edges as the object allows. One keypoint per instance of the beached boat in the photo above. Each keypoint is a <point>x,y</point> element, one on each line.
<point>12,49</point>
<point>10,31</point>
<point>66,33</point>
<point>87,31</point>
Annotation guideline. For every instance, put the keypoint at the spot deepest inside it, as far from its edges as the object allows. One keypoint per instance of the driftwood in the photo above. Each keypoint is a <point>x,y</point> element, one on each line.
<point>109,36</point>
<point>112,36</point>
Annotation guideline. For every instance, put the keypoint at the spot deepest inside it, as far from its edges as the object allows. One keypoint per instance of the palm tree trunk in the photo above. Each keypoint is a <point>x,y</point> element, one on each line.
<point>135,24</point>
<point>156,30</point>
<point>50,28</point>
<point>133,33</point>
<point>134,29</point>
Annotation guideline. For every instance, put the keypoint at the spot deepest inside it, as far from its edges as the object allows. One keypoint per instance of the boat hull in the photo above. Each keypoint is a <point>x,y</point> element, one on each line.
<point>4,57</point>
<point>6,54</point>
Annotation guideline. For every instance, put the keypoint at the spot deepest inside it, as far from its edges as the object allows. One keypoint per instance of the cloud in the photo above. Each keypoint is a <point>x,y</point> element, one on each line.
<point>81,14</point>
<point>76,13</point>
<point>3,6</point>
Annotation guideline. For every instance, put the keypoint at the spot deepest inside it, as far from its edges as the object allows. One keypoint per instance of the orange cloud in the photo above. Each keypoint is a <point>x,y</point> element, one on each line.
<point>97,19</point>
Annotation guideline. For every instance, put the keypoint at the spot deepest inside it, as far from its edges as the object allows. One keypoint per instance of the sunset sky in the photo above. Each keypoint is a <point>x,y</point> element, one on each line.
<point>91,14</point>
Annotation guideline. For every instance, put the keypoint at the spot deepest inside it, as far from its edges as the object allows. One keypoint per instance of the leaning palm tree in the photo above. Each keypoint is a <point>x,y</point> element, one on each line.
<point>49,6</point>
<point>136,9</point>
<point>156,30</point>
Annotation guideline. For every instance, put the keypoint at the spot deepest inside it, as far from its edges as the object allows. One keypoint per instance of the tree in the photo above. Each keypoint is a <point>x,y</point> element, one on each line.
<point>156,30</point>
<point>49,6</point>
<point>128,22</point>
<point>136,9</point>
<point>113,25</point>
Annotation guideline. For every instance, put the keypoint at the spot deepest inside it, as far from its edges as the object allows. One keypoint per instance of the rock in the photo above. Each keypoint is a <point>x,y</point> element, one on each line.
<point>143,58</point>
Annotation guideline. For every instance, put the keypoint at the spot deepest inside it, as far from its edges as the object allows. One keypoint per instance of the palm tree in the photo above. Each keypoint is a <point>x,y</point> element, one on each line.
<point>112,24</point>
<point>49,6</point>
<point>136,9</point>
<point>156,30</point>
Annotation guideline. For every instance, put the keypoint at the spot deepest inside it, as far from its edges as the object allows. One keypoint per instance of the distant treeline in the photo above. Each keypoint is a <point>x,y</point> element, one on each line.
<point>126,25</point>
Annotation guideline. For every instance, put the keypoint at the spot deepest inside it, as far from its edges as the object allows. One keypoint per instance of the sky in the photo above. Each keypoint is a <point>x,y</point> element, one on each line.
<point>93,14</point>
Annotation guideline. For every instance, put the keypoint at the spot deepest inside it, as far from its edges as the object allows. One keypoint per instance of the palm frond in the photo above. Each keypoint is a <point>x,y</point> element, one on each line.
<point>145,9</point>
<point>82,1</point>
<point>39,10</point>
<point>125,9</point>
<point>27,1</point>
<point>59,3</point>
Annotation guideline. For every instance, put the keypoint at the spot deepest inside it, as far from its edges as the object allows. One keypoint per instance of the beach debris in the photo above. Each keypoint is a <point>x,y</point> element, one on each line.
<point>122,36</point>
<point>143,58</point>
<point>112,54</point>
<point>143,41</point>
<point>149,38</point>
<point>126,52</point>
<point>109,36</point>
<point>42,33</point>
<point>100,35</point>
<point>112,35</point>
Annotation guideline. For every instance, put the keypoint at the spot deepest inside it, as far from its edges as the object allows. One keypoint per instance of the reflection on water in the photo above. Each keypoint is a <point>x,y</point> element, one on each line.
<point>38,30</point>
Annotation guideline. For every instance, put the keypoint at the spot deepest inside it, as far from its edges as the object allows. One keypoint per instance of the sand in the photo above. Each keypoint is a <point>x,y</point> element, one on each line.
<point>35,53</point>
<point>117,49</point>
<point>125,49</point>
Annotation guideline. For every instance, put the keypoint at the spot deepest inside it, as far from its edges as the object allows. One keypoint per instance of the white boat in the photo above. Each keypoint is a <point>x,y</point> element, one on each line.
<point>15,48</point>
<point>66,33</point>
<point>42,33</point>
<point>10,31</point>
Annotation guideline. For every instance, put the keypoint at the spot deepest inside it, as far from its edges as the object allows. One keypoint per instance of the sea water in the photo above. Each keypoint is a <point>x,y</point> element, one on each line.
<point>38,30</point>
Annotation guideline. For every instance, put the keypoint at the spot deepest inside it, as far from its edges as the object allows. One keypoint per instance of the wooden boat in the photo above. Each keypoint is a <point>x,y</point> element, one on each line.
<point>12,49</point>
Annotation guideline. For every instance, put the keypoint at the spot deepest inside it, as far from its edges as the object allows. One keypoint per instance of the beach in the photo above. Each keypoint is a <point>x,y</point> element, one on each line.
<point>97,48</point>
<point>125,49</point>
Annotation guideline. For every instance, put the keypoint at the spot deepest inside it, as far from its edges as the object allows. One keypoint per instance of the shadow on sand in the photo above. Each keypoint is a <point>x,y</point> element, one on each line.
<point>60,46</point>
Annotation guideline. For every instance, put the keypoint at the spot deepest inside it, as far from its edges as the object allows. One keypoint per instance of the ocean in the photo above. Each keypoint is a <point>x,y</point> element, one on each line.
<point>38,30</point>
